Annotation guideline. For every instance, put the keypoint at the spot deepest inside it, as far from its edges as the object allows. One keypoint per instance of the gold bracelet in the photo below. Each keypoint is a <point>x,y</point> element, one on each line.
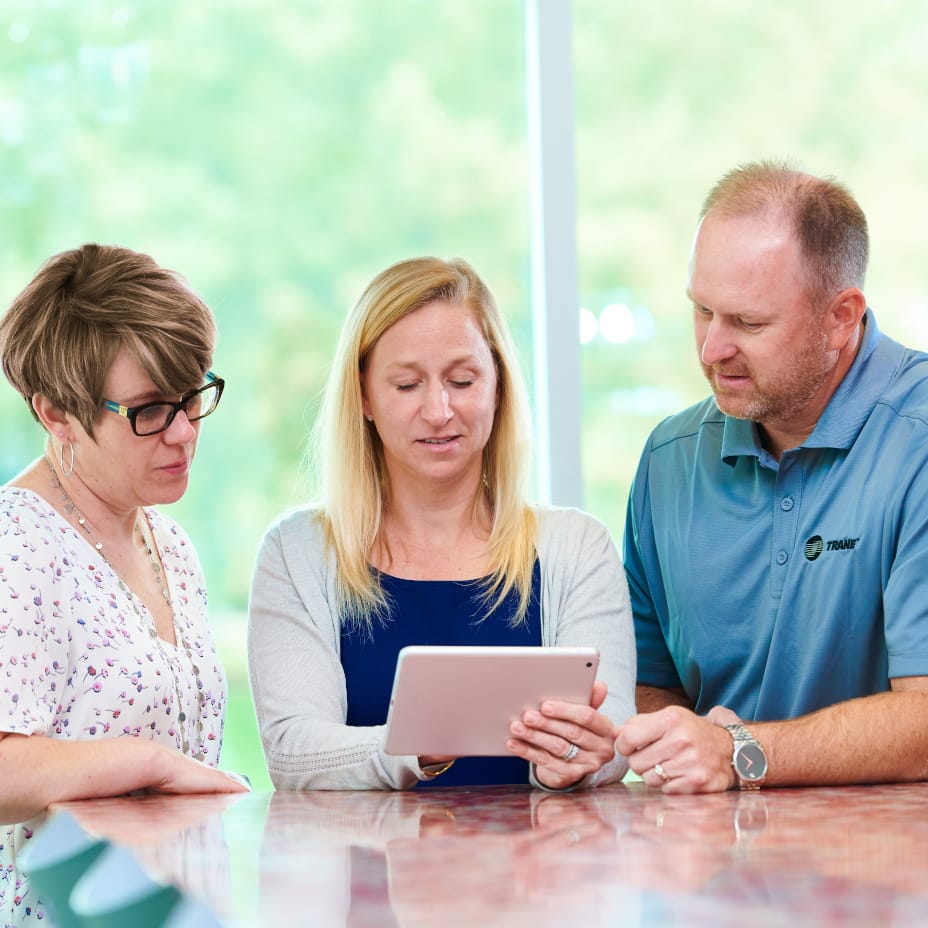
<point>436,770</point>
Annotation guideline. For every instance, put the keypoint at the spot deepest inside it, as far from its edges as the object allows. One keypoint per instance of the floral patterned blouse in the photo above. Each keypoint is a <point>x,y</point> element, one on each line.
<point>79,658</point>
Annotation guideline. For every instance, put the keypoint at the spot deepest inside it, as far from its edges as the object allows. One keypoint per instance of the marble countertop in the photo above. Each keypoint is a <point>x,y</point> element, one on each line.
<point>500,856</point>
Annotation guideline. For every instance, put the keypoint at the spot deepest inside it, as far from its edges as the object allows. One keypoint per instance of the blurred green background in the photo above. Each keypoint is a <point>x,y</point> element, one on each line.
<point>281,154</point>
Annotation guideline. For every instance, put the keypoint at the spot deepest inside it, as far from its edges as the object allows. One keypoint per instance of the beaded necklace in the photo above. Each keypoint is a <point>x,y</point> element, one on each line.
<point>147,621</point>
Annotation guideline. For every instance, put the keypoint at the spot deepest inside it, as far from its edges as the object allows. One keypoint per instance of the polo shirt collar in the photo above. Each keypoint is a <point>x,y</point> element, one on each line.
<point>740,439</point>
<point>859,391</point>
<point>846,412</point>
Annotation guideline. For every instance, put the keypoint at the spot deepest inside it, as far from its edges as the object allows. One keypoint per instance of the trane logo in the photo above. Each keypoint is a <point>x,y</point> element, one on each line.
<point>815,546</point>
<point>842,544</point>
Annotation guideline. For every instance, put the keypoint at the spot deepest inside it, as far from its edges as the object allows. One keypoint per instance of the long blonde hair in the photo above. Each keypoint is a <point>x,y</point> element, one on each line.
<point>349,456</point>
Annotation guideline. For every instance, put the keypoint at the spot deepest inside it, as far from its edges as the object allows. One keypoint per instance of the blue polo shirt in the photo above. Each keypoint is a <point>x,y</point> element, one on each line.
<point>777,588</point>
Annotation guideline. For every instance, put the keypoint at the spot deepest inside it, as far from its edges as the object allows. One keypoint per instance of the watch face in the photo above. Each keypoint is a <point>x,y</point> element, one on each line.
<point>750,762</point>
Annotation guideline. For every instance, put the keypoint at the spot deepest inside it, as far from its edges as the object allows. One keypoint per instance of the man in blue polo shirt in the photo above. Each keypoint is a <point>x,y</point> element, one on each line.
<point>777,536</point>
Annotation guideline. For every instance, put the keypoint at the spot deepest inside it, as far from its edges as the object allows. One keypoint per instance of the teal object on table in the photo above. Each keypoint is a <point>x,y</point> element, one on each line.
<point>60,854</point>
<point>117,892</point>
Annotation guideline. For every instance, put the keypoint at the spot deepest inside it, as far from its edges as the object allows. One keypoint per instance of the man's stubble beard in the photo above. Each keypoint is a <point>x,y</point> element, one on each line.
<point>787,393</point>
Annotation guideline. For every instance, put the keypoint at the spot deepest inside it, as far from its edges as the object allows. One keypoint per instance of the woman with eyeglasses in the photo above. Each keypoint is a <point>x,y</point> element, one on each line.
<point>424,535</point>
<point>109,678</point>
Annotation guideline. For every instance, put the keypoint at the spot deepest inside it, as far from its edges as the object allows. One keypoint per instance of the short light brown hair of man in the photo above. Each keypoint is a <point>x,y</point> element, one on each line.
<point>827,220</point>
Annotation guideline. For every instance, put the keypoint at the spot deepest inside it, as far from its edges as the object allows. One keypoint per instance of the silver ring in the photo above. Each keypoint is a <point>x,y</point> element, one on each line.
<point>572,752</point>
<point>659,770</point>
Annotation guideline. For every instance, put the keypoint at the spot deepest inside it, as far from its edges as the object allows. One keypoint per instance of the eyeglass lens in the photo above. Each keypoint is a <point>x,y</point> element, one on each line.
<point>156,417</point>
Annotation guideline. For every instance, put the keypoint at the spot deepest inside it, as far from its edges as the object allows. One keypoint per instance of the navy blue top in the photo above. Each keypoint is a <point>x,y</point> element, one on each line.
<point>436,612</point>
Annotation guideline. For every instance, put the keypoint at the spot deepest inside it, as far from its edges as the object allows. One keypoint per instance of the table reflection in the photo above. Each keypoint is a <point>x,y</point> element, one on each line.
<point>495,856</point>
<point>453,857</point>
<point>178,840</point>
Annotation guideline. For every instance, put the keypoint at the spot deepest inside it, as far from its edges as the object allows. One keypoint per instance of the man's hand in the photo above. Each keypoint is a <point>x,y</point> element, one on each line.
<point>676,751</point>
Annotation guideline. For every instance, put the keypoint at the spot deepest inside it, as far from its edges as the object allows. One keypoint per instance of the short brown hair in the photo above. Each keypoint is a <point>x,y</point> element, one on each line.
<point>62,333</point>
<point>828,222</point>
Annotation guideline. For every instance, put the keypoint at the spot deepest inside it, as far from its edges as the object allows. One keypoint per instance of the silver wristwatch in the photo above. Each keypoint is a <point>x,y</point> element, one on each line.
<point>748,758</point>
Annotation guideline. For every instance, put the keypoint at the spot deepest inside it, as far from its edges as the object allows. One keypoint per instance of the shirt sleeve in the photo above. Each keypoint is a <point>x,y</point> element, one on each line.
<point>297,679</point>
<point>643,572</point>
<point>905,595</point>
<point>589,606</point>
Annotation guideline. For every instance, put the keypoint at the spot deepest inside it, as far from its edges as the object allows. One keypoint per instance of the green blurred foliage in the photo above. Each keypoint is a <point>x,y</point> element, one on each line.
<point>281,154</point>
<point>278,155</point>
<point>672,95</point>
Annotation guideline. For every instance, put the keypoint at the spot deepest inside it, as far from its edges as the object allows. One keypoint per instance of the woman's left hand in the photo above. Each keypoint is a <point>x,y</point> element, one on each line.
<point>565,741</point>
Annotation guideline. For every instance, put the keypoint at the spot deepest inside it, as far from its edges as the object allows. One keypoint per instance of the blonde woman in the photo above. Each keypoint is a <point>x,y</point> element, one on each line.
<point>423,535</point>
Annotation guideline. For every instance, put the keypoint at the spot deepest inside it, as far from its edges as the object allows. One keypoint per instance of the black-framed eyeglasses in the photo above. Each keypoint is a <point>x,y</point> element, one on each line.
<point>152,418</point>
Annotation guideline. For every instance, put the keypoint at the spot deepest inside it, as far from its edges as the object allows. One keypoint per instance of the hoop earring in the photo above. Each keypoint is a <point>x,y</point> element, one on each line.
<point>66,471</point>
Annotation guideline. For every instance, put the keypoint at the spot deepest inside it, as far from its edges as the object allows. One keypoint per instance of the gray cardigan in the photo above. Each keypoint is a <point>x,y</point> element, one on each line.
<point>294,637</point>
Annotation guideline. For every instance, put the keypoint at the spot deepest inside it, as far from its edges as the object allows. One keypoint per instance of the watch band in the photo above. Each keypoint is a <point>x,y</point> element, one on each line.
<point>748,758</point>
<point>739,732</point>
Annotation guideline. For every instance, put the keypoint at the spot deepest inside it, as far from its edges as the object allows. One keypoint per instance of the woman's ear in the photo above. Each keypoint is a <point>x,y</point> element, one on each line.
<point>55,421</point>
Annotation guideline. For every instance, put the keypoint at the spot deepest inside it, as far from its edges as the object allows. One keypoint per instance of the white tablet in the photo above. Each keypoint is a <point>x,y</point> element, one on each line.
<point>459,701</point>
